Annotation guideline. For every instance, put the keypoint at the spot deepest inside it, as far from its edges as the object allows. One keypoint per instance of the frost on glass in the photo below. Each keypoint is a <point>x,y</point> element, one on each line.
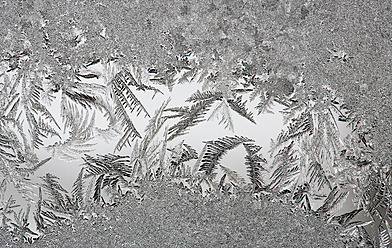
<point>115,104</point>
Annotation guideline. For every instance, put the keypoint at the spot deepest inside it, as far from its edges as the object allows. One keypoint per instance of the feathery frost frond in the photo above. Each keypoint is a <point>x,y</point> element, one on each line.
<point>111,172</point>
<point>286,172</point>
<point>148,154</point>
<point>318,175</point>
<point>166,78</point>
<point>233,176</point>
<point>103,164</point>
<point>53,188</point>
<point>344,219</point>
<point>189,117</point>
<point>222,112</point>
<point>37,115</point>
<point>78,188</point>
<point>179,155</point>
<point>81,134</point>
<point>301,196</point>
<point>134,76</point>
<point>123,94</point>
<point>125,100</point>
<point>58,207</point>
<point>205,95</point>
<point>240,107</point>
<point>7,205</point>
<point>253,162</point>
<point>21,224</point>
<point>384,239</point>
<point>298,127</point>
<point>265,105</point>
<point>87,101</point>
<point>154,125</point>
<point>333,202</point>
<point>215,150</point>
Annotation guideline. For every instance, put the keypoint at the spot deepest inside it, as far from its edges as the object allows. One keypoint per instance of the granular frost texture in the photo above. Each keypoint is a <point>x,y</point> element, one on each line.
<point>170,217</point>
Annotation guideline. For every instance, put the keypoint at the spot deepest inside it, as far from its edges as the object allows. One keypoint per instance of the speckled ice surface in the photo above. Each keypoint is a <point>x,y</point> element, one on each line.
<point>170,217</point>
